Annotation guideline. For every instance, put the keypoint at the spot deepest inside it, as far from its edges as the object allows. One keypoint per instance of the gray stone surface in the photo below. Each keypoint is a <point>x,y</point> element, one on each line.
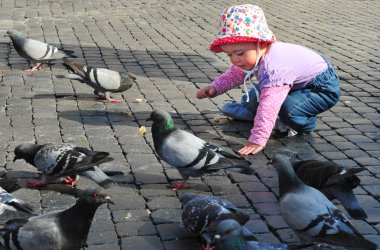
<point>165,44</point>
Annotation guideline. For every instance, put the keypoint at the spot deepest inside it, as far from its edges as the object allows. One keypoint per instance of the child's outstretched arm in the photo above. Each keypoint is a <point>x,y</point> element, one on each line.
<point>228,80</point>
<point>270,103</point>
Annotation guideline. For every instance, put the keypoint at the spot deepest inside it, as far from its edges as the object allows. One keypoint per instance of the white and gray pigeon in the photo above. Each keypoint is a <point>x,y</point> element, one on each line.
<point>202,213</point>
<point>310,214</point>
<point>35,51</point>
<point>231,235</point>
<point>101,80</point>
<point>11,207</point>
<point>332,179</point>
<point>191,155</point>
<point>63,229</point>
<point>59,160</point>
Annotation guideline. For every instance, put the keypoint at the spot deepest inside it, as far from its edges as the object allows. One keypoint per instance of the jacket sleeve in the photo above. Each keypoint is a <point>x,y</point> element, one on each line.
<point>228,80</point>
<point>271,100</point>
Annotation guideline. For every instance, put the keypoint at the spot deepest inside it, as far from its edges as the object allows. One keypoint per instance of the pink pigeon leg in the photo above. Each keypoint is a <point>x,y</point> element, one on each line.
<point>35,68</point>
<point>207,247</point>
<point>179,185</point>
<point>70,180</point>
<point>110,100</point>
<point>36,184</point>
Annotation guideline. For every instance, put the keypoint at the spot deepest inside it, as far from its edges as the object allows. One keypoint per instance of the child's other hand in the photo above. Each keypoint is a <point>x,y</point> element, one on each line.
<point>250,148</point>
<point>208,91</point>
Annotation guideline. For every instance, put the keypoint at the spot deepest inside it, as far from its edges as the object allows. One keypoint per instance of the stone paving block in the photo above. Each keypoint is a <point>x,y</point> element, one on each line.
<point>161,216</point>
<point>163,202</point>
<point>173,231</point>
<point>113,246</point>
<point>182,244</point>
<point>135,228</point>
<point>102,237</point>
<point>142,242</point>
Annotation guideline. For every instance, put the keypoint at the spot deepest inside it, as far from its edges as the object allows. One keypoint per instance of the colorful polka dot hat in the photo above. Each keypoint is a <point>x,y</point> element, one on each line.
<point>242,23</point>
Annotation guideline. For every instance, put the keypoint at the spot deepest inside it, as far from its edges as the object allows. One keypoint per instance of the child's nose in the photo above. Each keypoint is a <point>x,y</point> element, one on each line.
<point>234,59</point>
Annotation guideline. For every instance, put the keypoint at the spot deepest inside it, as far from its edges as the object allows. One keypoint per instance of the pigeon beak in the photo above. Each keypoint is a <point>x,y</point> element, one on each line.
<point>15,158</point>
<point>6,35</point>
<point>148,119</point>
<point>108,199</point>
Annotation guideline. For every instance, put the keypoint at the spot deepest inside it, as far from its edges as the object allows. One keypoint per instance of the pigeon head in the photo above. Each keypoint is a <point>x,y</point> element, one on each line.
<point>162,121</point>
<point>26,151</point>
<point>229,235</point>
<point>14,34</point>
<point>95,196</point>
<point>288,178</point>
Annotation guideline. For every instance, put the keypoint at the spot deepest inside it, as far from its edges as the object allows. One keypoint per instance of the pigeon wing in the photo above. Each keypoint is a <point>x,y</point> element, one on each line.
<point>182,149</point>
<point>10,200</point>
<point>39,51</point>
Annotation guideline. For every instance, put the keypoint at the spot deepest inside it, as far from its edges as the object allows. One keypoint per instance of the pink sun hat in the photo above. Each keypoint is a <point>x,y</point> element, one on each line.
<point>242,23</point>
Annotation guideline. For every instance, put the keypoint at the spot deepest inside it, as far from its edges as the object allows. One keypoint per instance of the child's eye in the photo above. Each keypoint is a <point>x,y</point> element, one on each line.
<point>240,53</point>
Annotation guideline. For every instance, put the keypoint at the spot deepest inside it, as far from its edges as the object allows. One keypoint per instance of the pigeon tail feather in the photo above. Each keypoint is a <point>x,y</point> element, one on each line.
<point>22,206</point>
<point>349,201</point>
<point>350,172</point>
<point>233,165</point>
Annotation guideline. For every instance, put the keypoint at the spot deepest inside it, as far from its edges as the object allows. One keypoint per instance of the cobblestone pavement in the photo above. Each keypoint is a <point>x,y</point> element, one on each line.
<point>165,43</point>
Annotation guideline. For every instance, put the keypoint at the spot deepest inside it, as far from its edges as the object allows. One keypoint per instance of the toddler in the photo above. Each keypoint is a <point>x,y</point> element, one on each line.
<point>294,82</point>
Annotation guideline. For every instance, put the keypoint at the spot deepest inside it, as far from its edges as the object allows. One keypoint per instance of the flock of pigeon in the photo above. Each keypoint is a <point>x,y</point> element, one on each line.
<point>305,187</point>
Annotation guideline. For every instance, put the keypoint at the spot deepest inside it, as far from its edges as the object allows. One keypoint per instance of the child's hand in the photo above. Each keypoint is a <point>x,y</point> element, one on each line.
<point>208,91</point>
<point>250,148</point>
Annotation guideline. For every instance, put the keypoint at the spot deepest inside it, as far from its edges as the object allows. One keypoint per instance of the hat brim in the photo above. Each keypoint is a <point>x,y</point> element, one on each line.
<point>215,46</point>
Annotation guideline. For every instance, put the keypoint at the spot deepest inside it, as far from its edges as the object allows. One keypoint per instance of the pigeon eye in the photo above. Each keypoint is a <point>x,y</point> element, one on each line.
<point>95,195</point>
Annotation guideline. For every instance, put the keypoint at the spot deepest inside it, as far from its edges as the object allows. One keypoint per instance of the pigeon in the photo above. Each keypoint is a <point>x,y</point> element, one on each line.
<point>202,213</point>
<point>62,229</point>
<point>60,160</point>
<point>231,235</point>
<point>191,155</point>
<point>35,51</point>
<point>11,207</point>
<point>100,79</point>
<point>311,215</point>
<point>332,179</point>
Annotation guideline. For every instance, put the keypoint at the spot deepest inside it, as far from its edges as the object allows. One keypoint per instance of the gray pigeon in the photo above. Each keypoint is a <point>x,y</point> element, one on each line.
<point>100,79</point>
<point>35,51</point>
<point>11,207</point>
<point>332,179</point>
<point>202,213</point>
<point>311,215</point>
<point>61,160</point>
<point>231,235</point>
<point>191,155</point>
<point>63,229</point>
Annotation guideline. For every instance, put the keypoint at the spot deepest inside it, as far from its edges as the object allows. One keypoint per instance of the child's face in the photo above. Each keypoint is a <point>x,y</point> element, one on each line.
<point>242,55</point>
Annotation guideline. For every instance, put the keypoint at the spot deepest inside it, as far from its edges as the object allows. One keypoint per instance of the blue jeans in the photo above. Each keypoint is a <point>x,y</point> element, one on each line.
<point>300,107</point>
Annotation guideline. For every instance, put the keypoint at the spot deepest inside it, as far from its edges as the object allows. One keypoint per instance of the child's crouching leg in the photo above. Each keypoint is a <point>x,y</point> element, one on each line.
<point>243,110</point>
<point>300,109</point>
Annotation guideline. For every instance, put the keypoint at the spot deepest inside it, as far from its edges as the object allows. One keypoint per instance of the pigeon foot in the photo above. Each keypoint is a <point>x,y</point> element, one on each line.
<point>35,68</point>
<point>207,247</point>
<point>179,185</point>
<point>36,184</point>
<point>114,100</point>
<point>70,181</point>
